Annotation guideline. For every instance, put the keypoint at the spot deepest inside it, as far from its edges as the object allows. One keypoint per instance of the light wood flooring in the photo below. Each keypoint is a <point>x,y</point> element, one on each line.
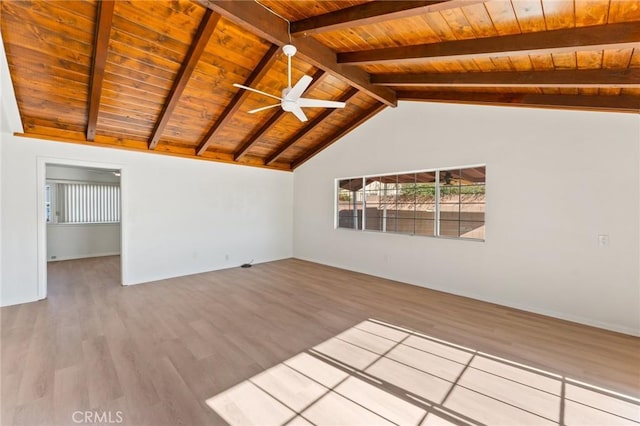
<point>156,352</point>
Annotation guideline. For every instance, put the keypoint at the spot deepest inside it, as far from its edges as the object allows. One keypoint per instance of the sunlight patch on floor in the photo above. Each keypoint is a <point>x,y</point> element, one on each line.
<point>377,373</point>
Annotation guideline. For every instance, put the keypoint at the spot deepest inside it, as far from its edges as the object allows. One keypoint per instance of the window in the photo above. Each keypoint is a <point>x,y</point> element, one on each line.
<point>84,202</point>
<point>443,203</point>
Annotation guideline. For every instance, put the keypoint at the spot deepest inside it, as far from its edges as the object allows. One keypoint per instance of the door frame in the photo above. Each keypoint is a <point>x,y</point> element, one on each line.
<point>41,219</point>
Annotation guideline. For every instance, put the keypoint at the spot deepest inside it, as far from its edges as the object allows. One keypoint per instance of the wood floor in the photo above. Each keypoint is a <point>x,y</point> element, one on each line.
<point>156,352</point>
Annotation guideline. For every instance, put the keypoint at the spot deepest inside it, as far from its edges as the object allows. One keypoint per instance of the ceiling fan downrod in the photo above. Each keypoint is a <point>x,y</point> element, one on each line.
<point>289,50</point>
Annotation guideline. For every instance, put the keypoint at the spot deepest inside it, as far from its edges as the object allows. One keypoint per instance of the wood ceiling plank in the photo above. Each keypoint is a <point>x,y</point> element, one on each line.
<point>530,15</point>
<point>624,11</point>
<point>591,12</point>
<point>44,127</point>
<point>559,13</point>
<point>565,78</point>
<point>612,36</point>
<point>371,13</point>
<point>566,61</point>
<point>635,59</point>
<point>255,137</point>
<point>261,69</point>
<point>480,20</point>
<point>142,39</point>
<point>344,130</point>
<point>608,92</point>
<point>459,23</point>
<point>617,58</point>
<point>79,8</point>
<point>502,63</point>
<point>141,55</point>
<point>156,18</point>
<point>200,40</point>
<point>299,10</point>
<point>629,104</point>
<point>521,63</point>
<point>503,17</point>
<point>256,19</point>
<point>351,92</point>
<point>439,25</point>
<point>589,60</point>
<point>44,40</point>
<point>542,62</point>
<point>71,26</point>
<point>103,30</point>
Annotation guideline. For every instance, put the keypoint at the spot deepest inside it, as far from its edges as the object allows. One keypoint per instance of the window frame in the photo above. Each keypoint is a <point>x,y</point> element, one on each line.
<point>437,203</point>
<point>57,195</point>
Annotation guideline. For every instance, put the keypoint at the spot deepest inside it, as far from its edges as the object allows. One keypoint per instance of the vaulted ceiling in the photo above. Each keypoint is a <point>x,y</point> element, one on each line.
<point>158,75</point>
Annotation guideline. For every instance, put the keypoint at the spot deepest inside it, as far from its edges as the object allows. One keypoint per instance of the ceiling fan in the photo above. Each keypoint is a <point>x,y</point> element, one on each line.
<point>291,99</point>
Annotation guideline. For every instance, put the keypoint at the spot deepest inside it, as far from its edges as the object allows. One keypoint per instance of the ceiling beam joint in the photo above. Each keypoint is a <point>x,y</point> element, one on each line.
<point>256,19</point>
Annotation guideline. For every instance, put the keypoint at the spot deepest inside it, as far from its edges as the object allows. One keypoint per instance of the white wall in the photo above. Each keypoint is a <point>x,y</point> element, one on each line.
<point>78,241</point>
<point>577,171</point>
<point>9,123</point>
<point>180,216</point>
<point>75,241</point>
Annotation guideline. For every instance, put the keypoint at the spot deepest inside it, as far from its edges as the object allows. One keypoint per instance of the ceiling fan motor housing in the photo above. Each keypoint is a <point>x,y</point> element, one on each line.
<point>289,50</point>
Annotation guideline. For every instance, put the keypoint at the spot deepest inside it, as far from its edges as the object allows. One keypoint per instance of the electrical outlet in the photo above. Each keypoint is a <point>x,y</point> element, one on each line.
<point>603,240</point>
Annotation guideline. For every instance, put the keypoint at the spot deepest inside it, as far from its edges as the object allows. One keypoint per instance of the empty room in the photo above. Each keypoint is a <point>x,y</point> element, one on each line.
<point>320,212</point>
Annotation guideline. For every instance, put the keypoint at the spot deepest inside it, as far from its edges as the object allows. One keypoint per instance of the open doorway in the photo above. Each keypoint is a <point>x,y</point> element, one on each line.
<point>80,214</point>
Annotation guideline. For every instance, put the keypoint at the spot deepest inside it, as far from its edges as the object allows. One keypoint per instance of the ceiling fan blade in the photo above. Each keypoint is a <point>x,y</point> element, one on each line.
<point>263,108</point>
<point>305,102</point>
<point>299,88</point>
<point>297,111</point>
<point>251,89</point>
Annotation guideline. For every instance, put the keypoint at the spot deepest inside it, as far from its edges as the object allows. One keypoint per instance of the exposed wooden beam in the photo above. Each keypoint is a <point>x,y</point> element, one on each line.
<point>351,92</point>
<point>259,21</point>
<point>600,78</point>
<point>261,69</point>
<point>103,32</point>
<point>317,79</point>
<point>341,133</point>
<point>600,37</point>
<point>372,13</point>
<point>623,103</point>
<point>200,41</point>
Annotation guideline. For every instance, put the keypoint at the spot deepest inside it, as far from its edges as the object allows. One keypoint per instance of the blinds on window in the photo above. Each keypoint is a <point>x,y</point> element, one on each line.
<point>88,203</point>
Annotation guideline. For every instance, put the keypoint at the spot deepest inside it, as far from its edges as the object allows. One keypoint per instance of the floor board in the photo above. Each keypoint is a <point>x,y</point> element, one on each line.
<point>156,352</point>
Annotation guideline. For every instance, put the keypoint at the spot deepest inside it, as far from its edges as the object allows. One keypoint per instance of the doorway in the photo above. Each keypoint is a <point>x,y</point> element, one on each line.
<point>80,213</point>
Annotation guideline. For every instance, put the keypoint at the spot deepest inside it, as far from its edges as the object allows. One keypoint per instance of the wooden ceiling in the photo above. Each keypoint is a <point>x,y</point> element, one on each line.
<point>158,76</point>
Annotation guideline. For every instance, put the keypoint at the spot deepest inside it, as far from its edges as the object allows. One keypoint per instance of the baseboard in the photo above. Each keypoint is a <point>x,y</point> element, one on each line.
<point>4,304</point>
<point>84,256</point>
<point>532,309</point>
<point>204,271</point>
